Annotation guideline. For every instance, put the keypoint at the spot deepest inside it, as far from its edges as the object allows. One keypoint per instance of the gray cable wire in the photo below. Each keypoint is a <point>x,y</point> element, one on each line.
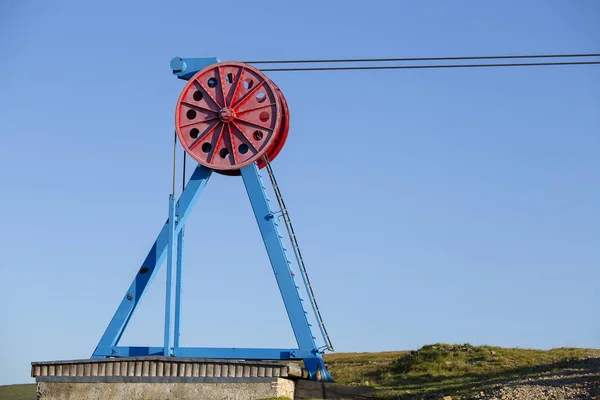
<point>428,66</point>
<point>174,162</point>
<point>410,59</point>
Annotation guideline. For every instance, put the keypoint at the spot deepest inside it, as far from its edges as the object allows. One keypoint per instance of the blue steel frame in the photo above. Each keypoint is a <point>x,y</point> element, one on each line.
<point>164,246</point>
<point>169,243</point>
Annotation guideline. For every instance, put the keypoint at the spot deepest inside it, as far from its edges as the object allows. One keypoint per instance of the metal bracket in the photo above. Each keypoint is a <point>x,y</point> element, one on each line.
<point>185,68</point>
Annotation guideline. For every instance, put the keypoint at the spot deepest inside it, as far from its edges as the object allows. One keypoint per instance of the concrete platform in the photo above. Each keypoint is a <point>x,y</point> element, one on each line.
<point>160,369</point>
<point>165,378</point>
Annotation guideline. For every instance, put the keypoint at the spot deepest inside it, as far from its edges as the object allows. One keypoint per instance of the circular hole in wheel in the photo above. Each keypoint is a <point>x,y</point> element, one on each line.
<point>191,114</point>
<point>260,97</point>
<point>243,148</point>
<point>229,78</point>
<point>248,83</point>
<point>197,95</point>
<point>194,132</point>
<point>206,147</point>
<point>258,135</point>
<point>264,116</point>
<point>224,152</point>
<point>212,82</point>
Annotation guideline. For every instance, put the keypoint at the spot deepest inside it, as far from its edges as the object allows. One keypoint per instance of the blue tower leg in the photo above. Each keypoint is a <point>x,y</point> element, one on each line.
<point>178,285</point>
<point>150,266</point>
<point>169,289</point>
<point>281,268</point>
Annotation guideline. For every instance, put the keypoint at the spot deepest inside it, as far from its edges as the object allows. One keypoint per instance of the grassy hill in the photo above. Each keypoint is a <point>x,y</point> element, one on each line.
<point>464,370</point>
<point>435,370</point>
<point>18,392</point>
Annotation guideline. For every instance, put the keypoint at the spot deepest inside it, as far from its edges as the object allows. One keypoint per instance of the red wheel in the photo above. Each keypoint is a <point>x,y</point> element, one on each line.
<point>230,115</point>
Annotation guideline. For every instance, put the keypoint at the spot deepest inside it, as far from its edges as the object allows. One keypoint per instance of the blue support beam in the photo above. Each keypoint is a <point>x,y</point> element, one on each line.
<point>171,225</point>
<point>127,351</point>
<point>178,287</point>
<point>208,352</point>
<point>272,238</point>
<point>278,256</point>
<point>152,263</point>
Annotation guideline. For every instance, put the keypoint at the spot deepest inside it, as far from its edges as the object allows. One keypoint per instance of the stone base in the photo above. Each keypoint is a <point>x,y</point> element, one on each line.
<point>251,390</point>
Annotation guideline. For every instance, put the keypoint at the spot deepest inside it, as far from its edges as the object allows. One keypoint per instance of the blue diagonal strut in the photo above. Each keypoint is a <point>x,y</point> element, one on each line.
<point>153,260</point>
<point>271,236</point>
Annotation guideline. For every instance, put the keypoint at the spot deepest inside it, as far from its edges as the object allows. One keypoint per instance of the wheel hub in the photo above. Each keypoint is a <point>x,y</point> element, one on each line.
<point>226,114</point>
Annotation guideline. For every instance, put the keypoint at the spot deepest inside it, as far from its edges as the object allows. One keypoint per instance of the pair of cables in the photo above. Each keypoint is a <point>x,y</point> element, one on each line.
<point>425,62</point>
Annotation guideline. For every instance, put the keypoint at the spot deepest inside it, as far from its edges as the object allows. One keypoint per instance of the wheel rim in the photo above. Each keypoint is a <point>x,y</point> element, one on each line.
<point>282,135</point>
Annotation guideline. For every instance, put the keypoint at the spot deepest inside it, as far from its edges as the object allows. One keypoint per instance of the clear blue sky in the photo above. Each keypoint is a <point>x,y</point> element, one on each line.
<point>431,205</point>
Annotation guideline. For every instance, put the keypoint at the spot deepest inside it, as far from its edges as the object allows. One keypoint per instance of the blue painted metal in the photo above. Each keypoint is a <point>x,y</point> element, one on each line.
<point>153,260</point>
<point>277,254</point>
<point>127,351</point>
<point>272,238</point>
<point>178,287</point>
<point>185,68</point>
<point>171,224</point>
<point>208,352</point>
<point>283,213</point>
<point>243,353</point>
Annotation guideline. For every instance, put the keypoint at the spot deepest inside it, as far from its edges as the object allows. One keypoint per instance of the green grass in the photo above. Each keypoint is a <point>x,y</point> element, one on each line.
<point>448,369</point>
<point>435,369</point>
<point>18,392</point>
<point>360,368</point>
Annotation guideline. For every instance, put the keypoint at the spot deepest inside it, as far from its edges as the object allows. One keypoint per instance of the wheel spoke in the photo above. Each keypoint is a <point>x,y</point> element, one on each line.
<point>201,137</point>
<point>246,137</point>
<point>199,122</point>
<point>247,96</point>
<point>254,124</point>
<point>255,108</point>
<point>232,149</point>
<point>208,93</point>
<point>199,108</point>
<point>237,84</point>
<point>216,146</point>
<point>222,86</point>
